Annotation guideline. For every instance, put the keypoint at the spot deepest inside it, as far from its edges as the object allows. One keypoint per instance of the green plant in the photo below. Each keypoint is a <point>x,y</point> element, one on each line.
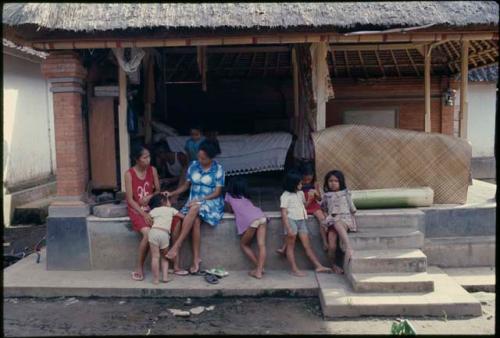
<point>403,328</point>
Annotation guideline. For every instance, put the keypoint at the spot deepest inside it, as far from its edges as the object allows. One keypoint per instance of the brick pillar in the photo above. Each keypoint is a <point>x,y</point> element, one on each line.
<point>68,246</point>
<point>66,75</point>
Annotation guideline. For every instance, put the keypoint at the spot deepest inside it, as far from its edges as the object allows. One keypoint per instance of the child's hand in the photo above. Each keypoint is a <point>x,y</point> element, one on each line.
<point>147,218</point>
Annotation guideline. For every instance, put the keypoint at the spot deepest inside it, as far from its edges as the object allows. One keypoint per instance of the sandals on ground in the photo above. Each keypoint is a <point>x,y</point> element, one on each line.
<point>212,279</point>
<point>137,276</point>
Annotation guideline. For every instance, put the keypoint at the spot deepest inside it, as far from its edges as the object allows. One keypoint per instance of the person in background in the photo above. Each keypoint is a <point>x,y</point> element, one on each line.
<point>193,143</point>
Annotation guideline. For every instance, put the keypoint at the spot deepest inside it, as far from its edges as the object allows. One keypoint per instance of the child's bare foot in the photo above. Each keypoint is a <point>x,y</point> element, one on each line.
<point>337,269</point>
<point>156,281</point>
<point>322,268</point>
<point>255,274</point>
<point>166,280</point>
<point>298,273</point>
<point>347,258</point>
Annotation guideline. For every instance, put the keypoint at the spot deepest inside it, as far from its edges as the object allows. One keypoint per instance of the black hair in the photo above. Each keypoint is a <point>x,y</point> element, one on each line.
<point>340,177</point>
<point>136,152</point>
<point>157,201</point>
<point>161,146</point>
<point>307,169</point>
<point>292,180</point>
<point>238,187</point>
<point>196,127</point>
<point>210,147</point>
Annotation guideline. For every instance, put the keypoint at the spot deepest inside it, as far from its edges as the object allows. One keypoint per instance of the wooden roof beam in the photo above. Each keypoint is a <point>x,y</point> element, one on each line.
<point>380,63</point>
<point>362,64</point>
<point>412,62</point>
<point>334,62</point>
<point>395,63</point>
<point>347,64</point>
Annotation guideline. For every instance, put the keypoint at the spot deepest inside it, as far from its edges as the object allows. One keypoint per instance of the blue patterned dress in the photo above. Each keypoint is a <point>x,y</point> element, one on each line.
<point>203,183</point>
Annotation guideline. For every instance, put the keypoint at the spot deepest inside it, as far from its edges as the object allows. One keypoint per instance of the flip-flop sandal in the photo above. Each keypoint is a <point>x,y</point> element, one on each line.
<point>137,276</point>
<point>220,272</point>
<point>181,272</point>
<point>212,279</point>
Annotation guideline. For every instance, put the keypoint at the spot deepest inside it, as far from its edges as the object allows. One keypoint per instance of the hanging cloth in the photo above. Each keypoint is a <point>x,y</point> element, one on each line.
<point>132,66</point>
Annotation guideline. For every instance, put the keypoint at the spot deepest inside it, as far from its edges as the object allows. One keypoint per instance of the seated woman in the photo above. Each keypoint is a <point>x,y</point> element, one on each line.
<point>141,183</point>
<point>205,179</point>
<point>171,167</point>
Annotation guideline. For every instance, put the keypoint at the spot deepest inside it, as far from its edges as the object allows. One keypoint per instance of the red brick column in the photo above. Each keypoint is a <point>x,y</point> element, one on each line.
<point>66,75</point>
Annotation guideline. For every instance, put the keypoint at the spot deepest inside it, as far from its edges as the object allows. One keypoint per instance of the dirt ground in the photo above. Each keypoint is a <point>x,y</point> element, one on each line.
<point>115,316</point>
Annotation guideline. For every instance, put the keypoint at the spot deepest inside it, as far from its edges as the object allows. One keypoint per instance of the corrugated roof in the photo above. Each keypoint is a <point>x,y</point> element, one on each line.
<point>100,17</point>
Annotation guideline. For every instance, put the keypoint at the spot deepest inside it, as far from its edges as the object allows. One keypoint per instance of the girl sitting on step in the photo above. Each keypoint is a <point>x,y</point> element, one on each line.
<point>340,210</point>
<point>250,222</point>
<point>294,219</point>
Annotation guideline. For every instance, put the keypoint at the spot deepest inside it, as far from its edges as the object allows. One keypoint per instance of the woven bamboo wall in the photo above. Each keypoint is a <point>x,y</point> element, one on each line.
<point>376,158</point>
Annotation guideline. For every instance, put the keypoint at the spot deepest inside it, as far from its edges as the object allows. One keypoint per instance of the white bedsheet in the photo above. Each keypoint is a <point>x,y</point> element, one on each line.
<point>245,154</point>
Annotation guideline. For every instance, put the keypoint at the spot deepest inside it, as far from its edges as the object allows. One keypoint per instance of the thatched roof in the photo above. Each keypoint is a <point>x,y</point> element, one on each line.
<point>7,44</point>
<point>100,17</point>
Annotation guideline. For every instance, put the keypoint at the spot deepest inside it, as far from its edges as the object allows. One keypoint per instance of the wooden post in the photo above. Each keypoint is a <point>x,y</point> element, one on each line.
<point>122,126</point>
<point>320,85</point>
<point>201,57</point>
<point>464,72</point>
<point>427,89</point>
<point>295,70</point>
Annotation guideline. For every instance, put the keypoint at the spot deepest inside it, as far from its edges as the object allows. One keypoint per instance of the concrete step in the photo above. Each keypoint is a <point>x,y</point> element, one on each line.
<point>393,260</point>
<point>391,282</point>
<point>387,239</point>
<point>32,213</point>
<point>390,218</point>
<point>449,299</point>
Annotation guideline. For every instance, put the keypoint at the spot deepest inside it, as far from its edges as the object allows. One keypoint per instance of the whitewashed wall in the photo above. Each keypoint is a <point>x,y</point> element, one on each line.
<point>28,130</point>
<point>481,124</point>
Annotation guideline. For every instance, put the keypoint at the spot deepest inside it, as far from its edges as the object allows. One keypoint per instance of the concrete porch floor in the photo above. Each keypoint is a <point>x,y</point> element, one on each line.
<point>28,279</point>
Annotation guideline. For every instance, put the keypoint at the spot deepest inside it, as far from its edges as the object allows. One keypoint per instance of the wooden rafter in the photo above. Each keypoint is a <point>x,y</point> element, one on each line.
<point>452,46</point>
<point>362,63</point>
<point>176,67</point>
<point>251,64</point>
<point>412,62</point>
<point>233,66</point>
<point>347,64</point>
<point>266,57</point>
<point>334,62</point>
<point>380,63</point>
<point>395,63</point>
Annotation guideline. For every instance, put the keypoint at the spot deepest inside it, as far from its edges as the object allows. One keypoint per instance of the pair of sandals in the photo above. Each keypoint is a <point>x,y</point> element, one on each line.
<point>212,276</point>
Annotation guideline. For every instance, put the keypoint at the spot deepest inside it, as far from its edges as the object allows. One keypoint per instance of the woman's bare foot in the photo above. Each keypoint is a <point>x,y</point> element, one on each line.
<point>281,251</point>
<point>255,274</point>
<point>337,269</point>
<point>195,267</point>
<point>322,268</point>
<point>298,273</point>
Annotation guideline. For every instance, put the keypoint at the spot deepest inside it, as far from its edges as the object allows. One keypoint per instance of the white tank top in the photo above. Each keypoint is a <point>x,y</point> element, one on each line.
<point>176,168</point>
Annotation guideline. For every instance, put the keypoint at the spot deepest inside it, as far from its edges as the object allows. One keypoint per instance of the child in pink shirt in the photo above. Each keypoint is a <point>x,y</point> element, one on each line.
<point>250,221</point>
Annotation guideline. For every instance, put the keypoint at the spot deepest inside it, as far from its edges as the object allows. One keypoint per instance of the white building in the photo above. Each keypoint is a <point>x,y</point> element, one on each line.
<point>28,130</point>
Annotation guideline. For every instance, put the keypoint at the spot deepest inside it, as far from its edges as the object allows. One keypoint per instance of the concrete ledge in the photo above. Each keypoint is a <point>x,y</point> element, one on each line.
<point>483,167</point>
<point>474,279</point>
<point>19,282</point>
<point>460,252</point>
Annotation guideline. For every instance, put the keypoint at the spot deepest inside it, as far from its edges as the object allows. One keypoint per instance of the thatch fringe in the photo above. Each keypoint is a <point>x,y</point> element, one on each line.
<point>100,17</point>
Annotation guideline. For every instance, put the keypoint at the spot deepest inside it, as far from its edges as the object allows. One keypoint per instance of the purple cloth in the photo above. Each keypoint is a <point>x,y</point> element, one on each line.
<point>244,212</point>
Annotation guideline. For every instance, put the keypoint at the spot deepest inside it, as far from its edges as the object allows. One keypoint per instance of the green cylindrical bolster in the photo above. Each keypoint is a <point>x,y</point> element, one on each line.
<point>393,198</point>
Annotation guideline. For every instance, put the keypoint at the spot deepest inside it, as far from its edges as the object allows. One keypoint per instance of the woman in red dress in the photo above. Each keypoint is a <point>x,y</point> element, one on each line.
<point>141,183</point>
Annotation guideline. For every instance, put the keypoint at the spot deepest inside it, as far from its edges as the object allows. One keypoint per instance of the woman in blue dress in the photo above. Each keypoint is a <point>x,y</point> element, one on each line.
<point>205,178</point>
